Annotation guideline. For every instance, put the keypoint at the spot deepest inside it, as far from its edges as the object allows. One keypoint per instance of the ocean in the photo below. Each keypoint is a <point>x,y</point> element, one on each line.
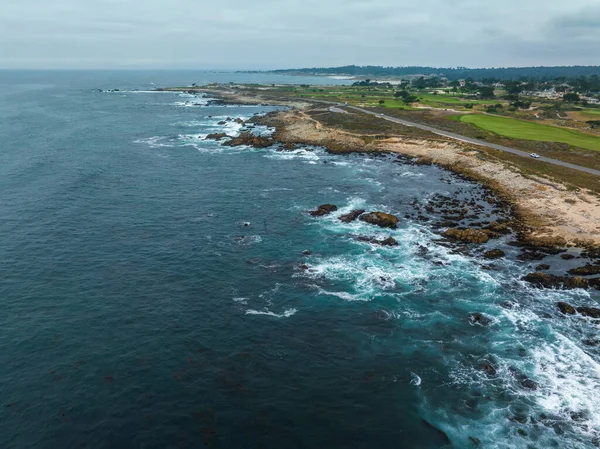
<point>160,290</point>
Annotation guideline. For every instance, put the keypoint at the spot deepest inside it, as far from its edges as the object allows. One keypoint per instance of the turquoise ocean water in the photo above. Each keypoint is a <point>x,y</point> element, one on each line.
<point>138,311</point>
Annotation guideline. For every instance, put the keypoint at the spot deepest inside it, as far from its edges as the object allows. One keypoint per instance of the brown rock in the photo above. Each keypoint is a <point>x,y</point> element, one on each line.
<point>250,139</point>
<point>544,280</point>
<point>468,235</point>
<point>350,217</point>
<point>565,308</point>
<point>494,254</point>
<point>216,136</point>
<point>323,209</point>
<point>380,219</point>
<point>591,312</point>
<point>587,270</point>
<point>500,228</point>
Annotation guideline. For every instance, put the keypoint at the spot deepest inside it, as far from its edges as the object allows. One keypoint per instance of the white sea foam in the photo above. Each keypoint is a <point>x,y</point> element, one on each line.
<point>415,379</point>
<point>155,142</point>
<point>303,154</point>
<point>570,381</point>
<point>344,295</point>
<point>286,313</point>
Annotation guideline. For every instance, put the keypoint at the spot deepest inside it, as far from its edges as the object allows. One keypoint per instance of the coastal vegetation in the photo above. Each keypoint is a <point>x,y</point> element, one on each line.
<point>454,73</point>
<point>521,129</point>
<point>531,115</point>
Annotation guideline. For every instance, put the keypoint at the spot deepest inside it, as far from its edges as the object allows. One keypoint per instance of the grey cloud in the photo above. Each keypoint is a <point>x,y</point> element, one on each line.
<point>296,33</point>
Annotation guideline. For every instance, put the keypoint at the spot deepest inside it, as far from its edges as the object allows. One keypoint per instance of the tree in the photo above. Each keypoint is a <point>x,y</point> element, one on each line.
<point>397,94</point>
<point>486,92</point>
<point>571,98</point>
<point>420,83</point>
<point>381,102</point>
<point>513,87</point>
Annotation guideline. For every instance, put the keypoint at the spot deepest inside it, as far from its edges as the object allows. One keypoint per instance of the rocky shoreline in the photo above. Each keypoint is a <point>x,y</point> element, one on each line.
<point>539,232</point>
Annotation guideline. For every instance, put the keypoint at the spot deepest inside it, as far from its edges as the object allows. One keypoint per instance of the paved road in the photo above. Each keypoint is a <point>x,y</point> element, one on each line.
<point>463,138</point>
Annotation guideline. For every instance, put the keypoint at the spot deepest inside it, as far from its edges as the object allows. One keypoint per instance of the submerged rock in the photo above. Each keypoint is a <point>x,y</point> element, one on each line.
<point>380,219</point>
<point>468,235</point>
<point>441,435</point>
<point>567,256</point>
<point>390,241</point>
<point>591,312</point>
<point>350,217</point>
<point>475,441</point>
<point>479,318</point>
<point>323,209</point>
<point>586,270</point>
<point>525,381</point>
<point>494,254</point>
<point>489,369</point>
<point>544,280</point>
<point>531,255</point>
<point>543,266</point>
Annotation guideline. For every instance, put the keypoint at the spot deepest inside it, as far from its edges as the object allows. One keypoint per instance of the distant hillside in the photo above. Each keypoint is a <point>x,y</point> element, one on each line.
<point>502,73</point>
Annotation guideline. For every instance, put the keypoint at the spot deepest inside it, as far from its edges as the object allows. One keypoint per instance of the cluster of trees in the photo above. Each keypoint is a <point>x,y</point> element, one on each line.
<point>455,73</point>
<point>406,97</point>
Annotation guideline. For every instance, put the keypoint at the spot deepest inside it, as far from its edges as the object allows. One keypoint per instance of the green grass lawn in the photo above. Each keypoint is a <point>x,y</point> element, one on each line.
<point>593,112</point>
<point>452,99</point>
<point>520,129</point>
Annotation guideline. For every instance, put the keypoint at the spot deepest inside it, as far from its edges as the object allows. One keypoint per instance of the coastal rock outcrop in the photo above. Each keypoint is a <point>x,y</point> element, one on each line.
<point>586,270</point>
<point>468,235</point>
<point>494,254</point>
<point>500,228</point>
<point>350,217</point>
<point>531,255</point>
<point>323,209</point>
<point>246,138</point>
<point>287,146</point>
<point>567,309</point>
<point>217,136</point>
<point>380,219</point>
<point>390,241</point>
<point>592,312</point>
<point>544,280</point>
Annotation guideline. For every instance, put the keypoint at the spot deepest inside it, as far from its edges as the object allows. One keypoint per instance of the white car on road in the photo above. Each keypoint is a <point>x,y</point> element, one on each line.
<point>535,155</point>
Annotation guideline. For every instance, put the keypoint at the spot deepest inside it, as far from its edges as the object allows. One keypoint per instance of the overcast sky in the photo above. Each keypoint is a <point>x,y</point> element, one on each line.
<point>263,34</point>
